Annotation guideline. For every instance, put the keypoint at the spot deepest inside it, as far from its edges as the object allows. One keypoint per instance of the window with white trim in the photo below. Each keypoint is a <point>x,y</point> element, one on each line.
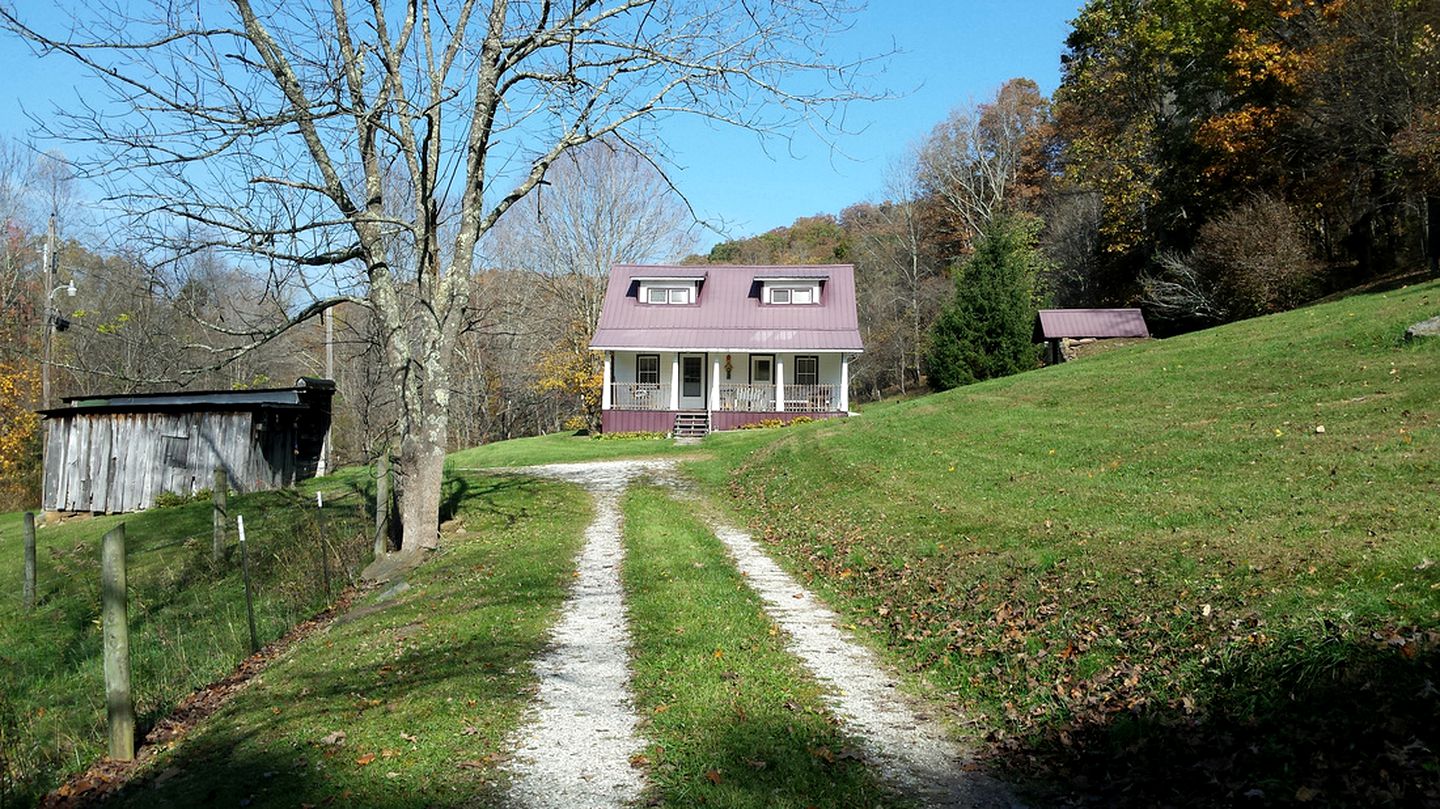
<point>668,295</point>
<point>783,295</point>
<point>647,369</point>
<point>807,370</point>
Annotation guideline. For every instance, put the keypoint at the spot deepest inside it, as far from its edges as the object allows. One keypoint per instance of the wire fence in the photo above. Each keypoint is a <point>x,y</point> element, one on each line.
<point>188,616</point>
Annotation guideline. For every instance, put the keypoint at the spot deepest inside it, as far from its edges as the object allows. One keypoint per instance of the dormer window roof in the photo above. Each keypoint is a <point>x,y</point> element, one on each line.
<point>808,276</point>
<point>670,289</point>
<point>729,310</point>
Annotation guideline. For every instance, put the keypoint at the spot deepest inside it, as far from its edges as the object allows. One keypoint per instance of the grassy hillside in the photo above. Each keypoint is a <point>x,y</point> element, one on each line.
<point>409,698</point>
<point>187,616</point>
<point>1200,570</point>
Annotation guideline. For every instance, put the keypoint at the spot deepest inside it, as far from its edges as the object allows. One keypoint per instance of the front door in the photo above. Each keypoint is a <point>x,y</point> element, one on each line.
<point>692,381</point>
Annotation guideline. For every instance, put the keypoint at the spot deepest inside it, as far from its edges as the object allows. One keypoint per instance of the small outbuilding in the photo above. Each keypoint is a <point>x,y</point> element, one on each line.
<point>1062,329</point>
<point>117,453</point>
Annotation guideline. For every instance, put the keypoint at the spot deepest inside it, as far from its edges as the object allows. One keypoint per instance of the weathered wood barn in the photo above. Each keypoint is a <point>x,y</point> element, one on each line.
<point>110,454</point>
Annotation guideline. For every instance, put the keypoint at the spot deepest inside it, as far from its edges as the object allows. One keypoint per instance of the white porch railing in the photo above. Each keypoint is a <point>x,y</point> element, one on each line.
<point>758,398</point>
<point>811,399</point>
<point>639,396</point>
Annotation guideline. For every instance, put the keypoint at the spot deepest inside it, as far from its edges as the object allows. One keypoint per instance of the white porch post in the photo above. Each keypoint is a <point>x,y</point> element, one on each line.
<point>605,382</point>
<point>715,384</point>
<point>675,381</point>
<point>844,383</point>
<point>779,384</point>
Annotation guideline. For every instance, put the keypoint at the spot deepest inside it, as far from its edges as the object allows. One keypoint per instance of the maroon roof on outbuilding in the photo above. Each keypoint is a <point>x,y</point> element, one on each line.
<point>729,314</point>
<point>1053,324</point>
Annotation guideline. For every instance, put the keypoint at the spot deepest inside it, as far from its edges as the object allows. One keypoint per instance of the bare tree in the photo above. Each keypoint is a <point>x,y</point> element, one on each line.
<point>987,159</point>
<point>16,168</point>
<point>603,204</point>
<point>363,158</point>
<point>898,266</point>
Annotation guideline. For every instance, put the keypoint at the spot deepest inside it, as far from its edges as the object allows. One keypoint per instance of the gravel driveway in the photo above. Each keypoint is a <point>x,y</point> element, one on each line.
<point>576,751</point>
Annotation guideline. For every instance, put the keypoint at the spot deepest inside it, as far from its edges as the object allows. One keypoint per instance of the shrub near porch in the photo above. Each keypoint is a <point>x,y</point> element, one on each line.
<point>1150,575</point>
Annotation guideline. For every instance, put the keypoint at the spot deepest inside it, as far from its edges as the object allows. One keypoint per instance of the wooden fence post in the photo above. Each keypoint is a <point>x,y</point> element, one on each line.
<point>29,595</point>
<point>249,597</point>
<point>382,503</point>
<point>324,543</point>
<point>115,628</point>
<point>218,496</point>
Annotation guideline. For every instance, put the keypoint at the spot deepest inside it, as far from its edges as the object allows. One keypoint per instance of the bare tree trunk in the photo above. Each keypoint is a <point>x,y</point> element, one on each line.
<point>422,471</point>
<point>425,425</point>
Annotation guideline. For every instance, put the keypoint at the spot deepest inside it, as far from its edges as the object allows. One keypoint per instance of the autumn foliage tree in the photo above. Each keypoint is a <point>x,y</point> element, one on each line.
<point>1176,113</point>
<point>571,369</point>
<point>19,433</point>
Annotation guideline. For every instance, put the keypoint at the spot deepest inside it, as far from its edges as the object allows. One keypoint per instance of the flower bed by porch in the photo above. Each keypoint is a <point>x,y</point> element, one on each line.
<point>663,421</point>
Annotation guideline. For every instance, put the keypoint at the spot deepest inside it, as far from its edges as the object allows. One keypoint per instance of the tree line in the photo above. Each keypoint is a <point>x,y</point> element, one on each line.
<point>1206,161</point>
<point>451,196</point>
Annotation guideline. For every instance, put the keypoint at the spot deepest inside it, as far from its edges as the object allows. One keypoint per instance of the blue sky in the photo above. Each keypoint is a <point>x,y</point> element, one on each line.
<point>950,52</point>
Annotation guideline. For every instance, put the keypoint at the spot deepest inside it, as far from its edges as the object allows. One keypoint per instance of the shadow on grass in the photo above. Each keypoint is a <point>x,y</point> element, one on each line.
<point>1330,722</point>
<point>425,697</point>
<point>251,756</point>
<point>263,764</point>
<point>763,762</point>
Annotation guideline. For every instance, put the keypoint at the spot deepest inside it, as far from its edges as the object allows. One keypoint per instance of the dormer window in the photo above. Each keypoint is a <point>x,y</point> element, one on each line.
<point>662,291</point>
<point>669,295</point>
<point>792,294</point>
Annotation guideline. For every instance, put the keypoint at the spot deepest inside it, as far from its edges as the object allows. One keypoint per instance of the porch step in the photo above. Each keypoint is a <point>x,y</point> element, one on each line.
<point>692,424</point>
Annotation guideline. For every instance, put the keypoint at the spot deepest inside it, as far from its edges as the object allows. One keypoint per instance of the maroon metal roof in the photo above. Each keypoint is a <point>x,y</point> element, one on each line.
<point>785,273</point>
<point>697,271</point>
<point>728,314</point>
<point>1052,324</point>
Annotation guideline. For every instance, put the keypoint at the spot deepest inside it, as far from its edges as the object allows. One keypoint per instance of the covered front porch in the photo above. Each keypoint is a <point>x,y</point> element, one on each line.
<point>643,391</point>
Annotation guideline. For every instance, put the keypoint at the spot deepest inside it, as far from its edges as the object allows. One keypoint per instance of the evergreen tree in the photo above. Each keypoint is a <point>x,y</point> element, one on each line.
<point>985,330</point>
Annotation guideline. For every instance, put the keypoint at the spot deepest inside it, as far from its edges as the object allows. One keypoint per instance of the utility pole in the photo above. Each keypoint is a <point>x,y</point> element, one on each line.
<point>328,316</point>
<point>49,273</point>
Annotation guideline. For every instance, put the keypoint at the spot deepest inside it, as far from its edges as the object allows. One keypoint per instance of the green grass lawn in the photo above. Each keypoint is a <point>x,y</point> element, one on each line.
<point>559,448</point>
<point>733,720</point>
<point>1150,573</point>
<point>425,686</point>
<point>1146,577</point>
<point>187,616</point>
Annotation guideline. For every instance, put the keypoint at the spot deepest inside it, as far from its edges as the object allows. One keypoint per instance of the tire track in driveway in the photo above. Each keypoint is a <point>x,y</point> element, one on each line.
<point>911,750</point>
<point>575,752</point>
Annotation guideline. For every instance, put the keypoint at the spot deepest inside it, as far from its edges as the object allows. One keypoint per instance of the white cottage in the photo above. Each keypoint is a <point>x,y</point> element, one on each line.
<point>691,349</point>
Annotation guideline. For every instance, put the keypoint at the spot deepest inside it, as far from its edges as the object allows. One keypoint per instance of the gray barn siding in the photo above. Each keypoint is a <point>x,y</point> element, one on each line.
<point>115,462</point>
<point>118,452</point>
